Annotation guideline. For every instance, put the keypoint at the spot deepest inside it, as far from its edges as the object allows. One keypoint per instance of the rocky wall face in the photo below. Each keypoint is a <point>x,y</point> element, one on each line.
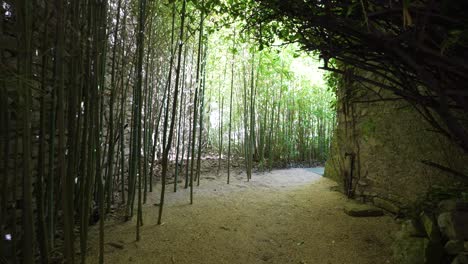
<point>387,140</point>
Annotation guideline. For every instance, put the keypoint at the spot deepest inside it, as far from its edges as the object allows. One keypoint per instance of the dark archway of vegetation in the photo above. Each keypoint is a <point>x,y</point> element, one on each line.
<point>101,99</point>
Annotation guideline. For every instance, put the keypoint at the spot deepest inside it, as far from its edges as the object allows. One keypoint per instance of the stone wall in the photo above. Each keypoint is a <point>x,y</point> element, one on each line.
<point>380,145</point>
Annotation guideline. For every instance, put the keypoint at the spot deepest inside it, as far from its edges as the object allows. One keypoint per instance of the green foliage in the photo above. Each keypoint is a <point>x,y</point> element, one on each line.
<point>292,97</point>
<point>333,80</point>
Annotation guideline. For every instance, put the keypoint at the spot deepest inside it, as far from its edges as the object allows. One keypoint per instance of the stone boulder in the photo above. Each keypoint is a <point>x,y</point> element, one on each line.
<point>454,225</point>
<point>460,259</point>
<point>362,210</point>
<point>413,228</point>
<point>416,250</point>
<point>452,205</point>
<point>454,247</point>
<point>386,205</point>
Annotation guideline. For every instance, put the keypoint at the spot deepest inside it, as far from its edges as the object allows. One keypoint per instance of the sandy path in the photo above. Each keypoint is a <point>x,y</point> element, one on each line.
<point>287,216</point>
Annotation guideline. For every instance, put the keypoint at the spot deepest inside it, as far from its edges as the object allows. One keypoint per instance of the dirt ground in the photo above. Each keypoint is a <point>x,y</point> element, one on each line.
<point>285,216</point>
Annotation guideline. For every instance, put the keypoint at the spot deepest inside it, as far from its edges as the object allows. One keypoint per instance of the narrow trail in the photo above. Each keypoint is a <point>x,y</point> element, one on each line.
<point>286,216</point>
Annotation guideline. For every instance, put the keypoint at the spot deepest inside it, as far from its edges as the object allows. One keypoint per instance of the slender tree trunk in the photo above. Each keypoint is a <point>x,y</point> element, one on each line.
<point>5,148</point>
<point>251,147</point>
<point>202,111</point>
<point>67,198</point>
<point>101,18</point>
<point>230,109</point>
<point>189,138</point>
<point>221,113</point>
<point>138,108</point>
<point>180,124</point>
<point>40,198</point>
<point>246,125</point>
<point>167,147</point>
<point>195,100</point>
<point>166,95</point>
<point>122,109</point>
<point>148,109</point>
<point>113,88</point>
<point>189,144</point>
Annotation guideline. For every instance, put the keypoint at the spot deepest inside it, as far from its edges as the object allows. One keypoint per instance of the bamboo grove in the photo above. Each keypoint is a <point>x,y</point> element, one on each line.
<point>266,110</point>
<point>101,101</point>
